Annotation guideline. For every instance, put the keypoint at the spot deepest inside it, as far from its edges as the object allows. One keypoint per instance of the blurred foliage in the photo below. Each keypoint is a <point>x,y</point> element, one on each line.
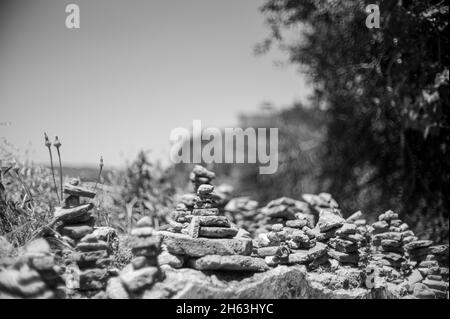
<point>141,189</point>
<point>383,95</point>
<point>27,196</point>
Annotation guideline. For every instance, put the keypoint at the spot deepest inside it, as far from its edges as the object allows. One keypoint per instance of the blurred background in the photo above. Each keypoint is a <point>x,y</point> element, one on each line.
<point>362,113</point>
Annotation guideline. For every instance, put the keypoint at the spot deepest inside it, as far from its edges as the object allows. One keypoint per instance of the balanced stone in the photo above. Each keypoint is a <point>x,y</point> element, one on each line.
<point>205,212</point>
<point>74,214</point>
<point>78,191</point>
<point>174,261</point>
<point>76,232</point>
<point>91,246</point>
<point>145,246</point>
<point>180,244</point>
<point>418,244</point>
<point>214,221</point>
<point>205,189</point>
<point>343,257</point>
<point>217,232</point>
<point>306,256</point>
<point>229,263</point>
<point>137,280</point>
<point>297,223</point>
<point>343,245</point>
<point>142,231</point>
<point>328,220</point>
<point>145,221</point>
<point>267,251</point>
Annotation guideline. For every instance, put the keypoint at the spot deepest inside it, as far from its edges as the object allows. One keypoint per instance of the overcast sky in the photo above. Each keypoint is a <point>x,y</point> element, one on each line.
<point>133,71</point>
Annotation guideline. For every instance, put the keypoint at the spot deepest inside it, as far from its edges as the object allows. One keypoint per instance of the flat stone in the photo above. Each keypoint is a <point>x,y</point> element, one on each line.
<point>380,227</point>
<point>75,232</point>
<point>418,244</point>
<point>306,256</point>
<point>329,220</point>
<point>267,251</point>
<point>93,279</point>
<point>343,257</point>
<point>214,221</point>
<point>137,280</point>
<point>414,278</point>
<point>139,262</point>
<point>74,214</point>
<point>145,221</point>
<point>174,261</point>
<point>90,258</point>
<point>143,231</point>
<point>441,250</point>
<point>78,191</point>
<point>391,245</point>
<point>229,263</point>
<point>145,246</point>
<point>356,238</point>
<point>205,189</point>
<point>87,246</point>
<point>180,244</point>
<point>281,211</point>
<point>217,232</point>
<point>387,235</point>
<point>205,212</point>
<point>434,284</point>
<point>423,292</point>
<point>115,289</point>
<point>297,223</point>
<point>347,229</point>
<point>343,245</point>
<point>355,216</point>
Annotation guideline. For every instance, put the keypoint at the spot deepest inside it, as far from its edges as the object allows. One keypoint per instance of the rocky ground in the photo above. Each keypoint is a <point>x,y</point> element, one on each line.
<point>217,247</point>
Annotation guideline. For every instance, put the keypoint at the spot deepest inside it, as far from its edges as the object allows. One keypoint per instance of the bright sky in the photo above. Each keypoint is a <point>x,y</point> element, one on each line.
<point>134,71</point>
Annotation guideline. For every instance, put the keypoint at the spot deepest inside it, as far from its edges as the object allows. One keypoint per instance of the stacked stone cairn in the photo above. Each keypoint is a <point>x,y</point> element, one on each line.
<point>388,236</point>
<point>243,212</point>
<point>33,275</point>
<point>290,238</point>
<point>429,277</point>
<point>346,244</point>
<point>143,271</point>
<point>204,239</point>
<point>91,252</point>
<point>282,210</point>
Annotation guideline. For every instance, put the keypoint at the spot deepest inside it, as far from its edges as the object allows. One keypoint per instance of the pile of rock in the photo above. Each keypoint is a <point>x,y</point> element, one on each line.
<point>202,238</point>
<point>389,235</point>
<point>429,278</point>
<point>243,212</point>
<point>75,219</point>
<point>33,275</point>
<point>92,253</point>
<point>322,200</point>
<point>344,241</point>
<point>143,271</point>
<point>281,210</point>
<point>294,243</point>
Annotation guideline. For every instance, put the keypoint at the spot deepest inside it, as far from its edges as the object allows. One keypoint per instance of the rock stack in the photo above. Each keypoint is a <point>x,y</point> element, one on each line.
<point>342,237</point>
<point>143,271</point>
<point>206,240</point>
<point>33,275</point>
<point>389,235</point>
<point>282,210</point>
<point>431,269</point>
<point>92,252</point>
<point>243,212</point>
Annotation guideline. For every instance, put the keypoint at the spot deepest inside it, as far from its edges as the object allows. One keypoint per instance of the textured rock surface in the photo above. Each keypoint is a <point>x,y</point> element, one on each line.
<point>234,263</point>
<point>281,282</point>
<point>180,244</point>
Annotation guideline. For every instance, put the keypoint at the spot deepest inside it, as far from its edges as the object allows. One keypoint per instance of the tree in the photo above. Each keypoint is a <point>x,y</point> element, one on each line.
<point>385,94</point>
